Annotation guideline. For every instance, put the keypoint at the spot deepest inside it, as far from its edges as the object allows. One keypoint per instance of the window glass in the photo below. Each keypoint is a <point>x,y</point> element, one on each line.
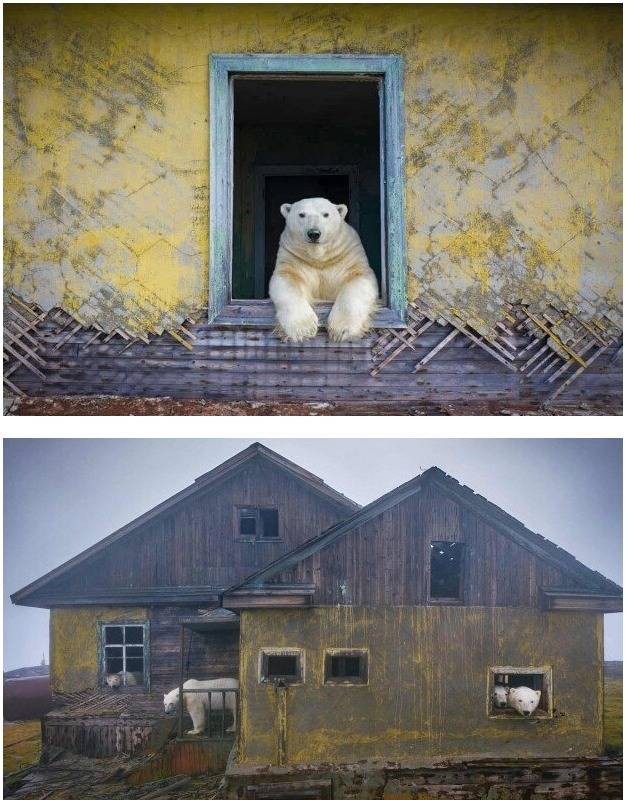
<point>124,653</point>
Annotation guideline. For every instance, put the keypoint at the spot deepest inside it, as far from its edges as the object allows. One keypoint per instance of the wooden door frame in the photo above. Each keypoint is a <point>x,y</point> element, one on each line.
<point>388,71</point>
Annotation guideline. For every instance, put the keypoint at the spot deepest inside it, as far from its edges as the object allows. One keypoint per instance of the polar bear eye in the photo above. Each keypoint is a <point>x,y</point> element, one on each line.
<point>326,215</point>
<point>302,215</point>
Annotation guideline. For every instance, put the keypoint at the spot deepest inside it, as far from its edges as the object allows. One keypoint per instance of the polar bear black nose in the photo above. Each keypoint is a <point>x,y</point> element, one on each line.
<point>313,234</point>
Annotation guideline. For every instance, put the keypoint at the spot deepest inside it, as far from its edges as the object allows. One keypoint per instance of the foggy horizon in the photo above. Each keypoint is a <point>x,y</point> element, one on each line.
<point>64,495</point>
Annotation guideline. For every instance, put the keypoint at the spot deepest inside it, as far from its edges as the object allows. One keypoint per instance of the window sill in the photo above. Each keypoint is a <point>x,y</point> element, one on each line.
<point>260,314</point>
<point>511,714</point>
<point>259,540</point>
<point>445,601</point>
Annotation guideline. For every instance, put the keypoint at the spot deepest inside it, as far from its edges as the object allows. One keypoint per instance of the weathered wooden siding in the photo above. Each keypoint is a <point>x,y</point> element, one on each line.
<point>386,562</point>
<point>195,543</point>
<point>484,779</point>
<point>426,695</point>
<point>208,655</point>
<point>254,365</point>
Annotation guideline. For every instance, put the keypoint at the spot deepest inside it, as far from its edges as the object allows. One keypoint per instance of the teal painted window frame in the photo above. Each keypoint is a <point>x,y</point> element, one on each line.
<point>222,310</point>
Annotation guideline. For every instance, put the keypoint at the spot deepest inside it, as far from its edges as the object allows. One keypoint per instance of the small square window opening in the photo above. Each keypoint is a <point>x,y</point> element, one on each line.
<point>346,667</point>
<point>446,563</point>
<point>283,666</point>
<point>503,679</point>
<point>256,523</point>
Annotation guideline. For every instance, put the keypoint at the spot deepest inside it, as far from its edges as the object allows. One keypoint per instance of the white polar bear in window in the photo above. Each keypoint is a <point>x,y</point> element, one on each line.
<point>321,258</point>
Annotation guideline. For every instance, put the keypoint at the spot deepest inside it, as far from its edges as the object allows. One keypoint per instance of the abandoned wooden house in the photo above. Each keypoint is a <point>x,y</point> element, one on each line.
<point>478,151</point>
<point>374,632</point>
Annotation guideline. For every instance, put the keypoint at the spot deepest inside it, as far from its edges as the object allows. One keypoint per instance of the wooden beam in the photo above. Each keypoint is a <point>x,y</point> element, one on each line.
<point>606,604</point>
<point>242,600</point>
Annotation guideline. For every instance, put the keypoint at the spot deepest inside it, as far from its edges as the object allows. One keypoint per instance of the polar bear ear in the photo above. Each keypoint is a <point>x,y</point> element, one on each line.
<point>537,693</point>
<point>342,210</point>
<point>284,209</point>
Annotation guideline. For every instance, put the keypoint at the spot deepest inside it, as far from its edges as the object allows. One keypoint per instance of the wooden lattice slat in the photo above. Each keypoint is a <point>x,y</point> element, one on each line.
<point>561,347</point>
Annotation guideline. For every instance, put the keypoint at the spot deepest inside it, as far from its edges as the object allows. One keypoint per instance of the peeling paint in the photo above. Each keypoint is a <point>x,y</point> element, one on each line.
<point>513,150</point>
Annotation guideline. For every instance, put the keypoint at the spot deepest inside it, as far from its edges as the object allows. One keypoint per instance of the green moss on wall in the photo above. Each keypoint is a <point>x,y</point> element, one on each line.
<point>74,647</point>
<point>427,691</point>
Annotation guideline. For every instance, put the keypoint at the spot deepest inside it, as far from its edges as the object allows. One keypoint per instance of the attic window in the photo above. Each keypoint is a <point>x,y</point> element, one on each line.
<point>446,559</point>
<point>503,679</point>
<point>281,666</point>
<point>257,523</point>
<point>124,650</point>
<point>348,667</point>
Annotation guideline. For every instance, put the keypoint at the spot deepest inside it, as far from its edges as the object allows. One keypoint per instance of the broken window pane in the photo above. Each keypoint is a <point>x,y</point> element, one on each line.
<point>282,667</point>
<point>446,569</point>
<point>269,518</point>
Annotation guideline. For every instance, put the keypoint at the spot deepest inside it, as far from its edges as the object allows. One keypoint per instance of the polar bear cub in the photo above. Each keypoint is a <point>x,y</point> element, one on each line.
<point>500,696</point>
<point>321,258</point>
<point>116,679</point>
<point>197,704</point>
<point>524,700</point>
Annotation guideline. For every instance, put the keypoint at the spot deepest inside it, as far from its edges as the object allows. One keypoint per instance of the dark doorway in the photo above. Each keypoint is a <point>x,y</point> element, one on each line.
<point>300,138</point>
<point>281,189</point>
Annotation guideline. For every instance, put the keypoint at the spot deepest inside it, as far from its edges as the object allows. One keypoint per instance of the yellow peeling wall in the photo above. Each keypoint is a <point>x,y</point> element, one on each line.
<point>513,149</point>
<point>427,694</point>
<point>74,651</point>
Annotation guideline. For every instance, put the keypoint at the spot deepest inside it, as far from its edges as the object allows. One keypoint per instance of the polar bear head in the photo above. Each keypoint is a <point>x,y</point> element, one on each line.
<point>170,701</point>
<point>314,220</point>
<point>114,681</point>
<point>524,700</point>
<point>500,696</point>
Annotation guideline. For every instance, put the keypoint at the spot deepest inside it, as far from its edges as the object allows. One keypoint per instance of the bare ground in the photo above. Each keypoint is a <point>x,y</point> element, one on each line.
<point>168,406</point>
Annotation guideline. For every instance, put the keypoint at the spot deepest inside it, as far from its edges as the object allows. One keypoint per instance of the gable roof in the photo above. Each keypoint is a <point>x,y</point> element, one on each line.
<point>591,580</point>
<point>220,473</point>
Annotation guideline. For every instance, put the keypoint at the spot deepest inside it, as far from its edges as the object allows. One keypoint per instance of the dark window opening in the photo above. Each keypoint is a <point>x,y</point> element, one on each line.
<point>259,523</point>
<point>299,138</point>
<point>124,654</point>
<point>285,667</point>
<point>446,560</point>
<point>537,680</point>
<point>346,667</point>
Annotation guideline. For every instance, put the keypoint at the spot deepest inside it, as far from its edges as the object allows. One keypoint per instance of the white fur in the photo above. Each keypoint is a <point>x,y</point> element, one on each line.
<point>524,700</point>
<point>333,268</point>
<point>196,704</point>
<point>116,679</point>
<point>500,696</point>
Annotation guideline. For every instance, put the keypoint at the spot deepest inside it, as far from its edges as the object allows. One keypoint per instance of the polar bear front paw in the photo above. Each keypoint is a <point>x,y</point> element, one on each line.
<point>298,328</point>
<point>344,329</point>
<point>193,732</point>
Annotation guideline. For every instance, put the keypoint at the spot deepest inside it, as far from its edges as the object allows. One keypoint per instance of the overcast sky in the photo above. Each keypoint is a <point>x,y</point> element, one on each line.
<point>62,495</point>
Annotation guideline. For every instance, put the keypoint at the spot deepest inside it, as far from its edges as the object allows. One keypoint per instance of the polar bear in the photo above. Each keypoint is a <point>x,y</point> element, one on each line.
<point>196,703</point>
<point>321,258</point>
<point>500,696</point>
<point>523,699</point>
<point>116,679</point>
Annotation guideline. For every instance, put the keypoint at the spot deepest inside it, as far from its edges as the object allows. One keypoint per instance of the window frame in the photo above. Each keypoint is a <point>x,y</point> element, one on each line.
<point>263,659</point>
<point>136,623</point>
<point>446,601</point>
<point>333,652</point>
<point>223,311</point>
<point>259,525</point>
<point>507,713</point>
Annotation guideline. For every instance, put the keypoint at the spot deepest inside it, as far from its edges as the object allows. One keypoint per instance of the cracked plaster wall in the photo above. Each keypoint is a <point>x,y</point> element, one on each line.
<point>513,150</point>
